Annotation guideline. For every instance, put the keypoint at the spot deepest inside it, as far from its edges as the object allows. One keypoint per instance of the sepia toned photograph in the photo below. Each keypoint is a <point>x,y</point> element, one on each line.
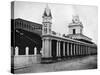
<point>50,37</point>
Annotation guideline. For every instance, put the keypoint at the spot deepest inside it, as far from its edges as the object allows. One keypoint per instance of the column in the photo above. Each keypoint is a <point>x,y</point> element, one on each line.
<point>57,48</point>
<point>63,48</point>
<point>35,51</point>
<point>43,47</point>
<point>16,51</point>
<point>74,50</point>
<point>27,50</point>
<point>68,49</point>
<point>71,50</point>
<point>80,49</point>
<point>47,48</point>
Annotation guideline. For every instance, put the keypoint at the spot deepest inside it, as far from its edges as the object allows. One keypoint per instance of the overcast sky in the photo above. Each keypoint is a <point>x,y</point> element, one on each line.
<point>62,16</point>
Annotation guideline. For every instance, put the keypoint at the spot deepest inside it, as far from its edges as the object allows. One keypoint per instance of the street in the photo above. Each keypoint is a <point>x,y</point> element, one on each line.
<point>87,62</point>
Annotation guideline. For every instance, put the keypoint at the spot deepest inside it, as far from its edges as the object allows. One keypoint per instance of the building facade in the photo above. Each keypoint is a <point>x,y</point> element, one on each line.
<point>39,37</point>
<point>75,44</point>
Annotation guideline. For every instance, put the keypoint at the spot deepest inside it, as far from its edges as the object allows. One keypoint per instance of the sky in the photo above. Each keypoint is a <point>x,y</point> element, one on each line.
<point>62,16</point>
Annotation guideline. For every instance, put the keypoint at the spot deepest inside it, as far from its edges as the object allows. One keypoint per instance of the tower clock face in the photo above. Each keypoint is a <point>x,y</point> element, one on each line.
<point>76,20</point>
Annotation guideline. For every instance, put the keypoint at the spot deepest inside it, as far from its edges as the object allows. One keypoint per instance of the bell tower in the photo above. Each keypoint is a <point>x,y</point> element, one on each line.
<point>47,21</point>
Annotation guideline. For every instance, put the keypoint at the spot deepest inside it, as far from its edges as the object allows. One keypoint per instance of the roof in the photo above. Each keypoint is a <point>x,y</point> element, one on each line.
<point>28,22</point>
<point>47,12</point>
<point>79,36</point>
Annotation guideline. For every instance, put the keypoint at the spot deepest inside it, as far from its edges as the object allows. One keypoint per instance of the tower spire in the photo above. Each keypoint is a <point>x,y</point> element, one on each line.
<point>47,12</point>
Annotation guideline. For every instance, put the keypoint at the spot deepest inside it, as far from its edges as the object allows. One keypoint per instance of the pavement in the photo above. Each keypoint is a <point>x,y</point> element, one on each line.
<point>87,62</point>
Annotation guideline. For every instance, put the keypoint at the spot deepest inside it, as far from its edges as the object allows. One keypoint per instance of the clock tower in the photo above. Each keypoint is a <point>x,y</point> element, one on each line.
<point>46,31</point>
<point>76,27</point>
<point>47,21</point>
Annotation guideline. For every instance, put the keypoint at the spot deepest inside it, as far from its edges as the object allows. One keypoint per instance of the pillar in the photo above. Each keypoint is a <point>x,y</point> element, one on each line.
<point>27,50</point>
<point>71,50</point>
<point>63,48</point>
<point>43,47</point>
<point>59,48</point>
<point>74,50</point>
<point>46,48</point>
<point>67,49</point>
<point>80,49</point>
<point>16,51</point>
<point>35,51</point>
